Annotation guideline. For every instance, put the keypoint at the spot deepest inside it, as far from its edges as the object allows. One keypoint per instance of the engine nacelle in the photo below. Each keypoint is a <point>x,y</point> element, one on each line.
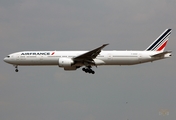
<point>65,62</point>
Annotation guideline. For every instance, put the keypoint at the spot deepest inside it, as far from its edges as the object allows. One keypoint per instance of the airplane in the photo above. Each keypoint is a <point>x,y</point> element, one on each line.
<point>72,60</point>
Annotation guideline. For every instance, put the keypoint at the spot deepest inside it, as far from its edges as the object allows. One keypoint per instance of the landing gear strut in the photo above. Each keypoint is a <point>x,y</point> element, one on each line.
<point>16,68</point>
<point>88,70</point>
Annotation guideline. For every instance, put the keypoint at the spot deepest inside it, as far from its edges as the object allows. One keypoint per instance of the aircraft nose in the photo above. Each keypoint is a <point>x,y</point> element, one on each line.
<point>5,59</point>
<point>8,59</point>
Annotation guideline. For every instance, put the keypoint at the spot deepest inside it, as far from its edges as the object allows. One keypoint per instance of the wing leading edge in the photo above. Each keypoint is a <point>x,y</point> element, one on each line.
<point>90,55</point>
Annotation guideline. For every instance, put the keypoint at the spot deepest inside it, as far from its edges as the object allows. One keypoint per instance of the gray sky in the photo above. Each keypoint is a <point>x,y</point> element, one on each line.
<point>114,92</point>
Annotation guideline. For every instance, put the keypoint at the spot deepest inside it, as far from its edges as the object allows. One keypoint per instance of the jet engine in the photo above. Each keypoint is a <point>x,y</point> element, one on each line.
<point>65,62</point>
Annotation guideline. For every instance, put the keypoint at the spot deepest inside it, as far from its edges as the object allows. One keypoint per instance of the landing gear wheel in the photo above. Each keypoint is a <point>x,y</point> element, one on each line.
<point>16,70</point>
<point>88,70</point>
<point>83,69</point>
<point>16,66</point>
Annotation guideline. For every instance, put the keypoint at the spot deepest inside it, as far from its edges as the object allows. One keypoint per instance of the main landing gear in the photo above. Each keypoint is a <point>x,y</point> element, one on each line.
<point>16,68</point>
<point>88,70</point>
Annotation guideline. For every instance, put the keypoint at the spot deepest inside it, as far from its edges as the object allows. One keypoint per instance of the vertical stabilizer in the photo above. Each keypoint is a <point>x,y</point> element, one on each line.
<point>160,43</point>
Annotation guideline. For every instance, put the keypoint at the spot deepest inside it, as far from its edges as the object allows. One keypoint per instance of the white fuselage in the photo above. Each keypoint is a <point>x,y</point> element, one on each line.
<point>104,58</point>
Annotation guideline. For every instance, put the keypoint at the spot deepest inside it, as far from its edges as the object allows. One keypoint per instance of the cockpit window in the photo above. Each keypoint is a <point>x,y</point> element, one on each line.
<point>8,56</point>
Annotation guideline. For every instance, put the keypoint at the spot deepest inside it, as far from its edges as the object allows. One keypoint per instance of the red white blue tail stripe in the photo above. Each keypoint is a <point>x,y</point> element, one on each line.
<point>160,43</point>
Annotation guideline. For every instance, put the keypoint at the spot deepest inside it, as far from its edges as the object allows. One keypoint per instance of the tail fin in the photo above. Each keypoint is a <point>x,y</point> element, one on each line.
<point>160,43</point>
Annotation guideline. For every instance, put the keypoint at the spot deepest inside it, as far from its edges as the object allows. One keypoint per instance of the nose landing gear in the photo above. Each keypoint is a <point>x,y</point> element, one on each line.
<point>88,70</point>
<point>16,68</point>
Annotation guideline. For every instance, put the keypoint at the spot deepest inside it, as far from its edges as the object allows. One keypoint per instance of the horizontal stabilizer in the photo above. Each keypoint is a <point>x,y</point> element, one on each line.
<point>161,54</point>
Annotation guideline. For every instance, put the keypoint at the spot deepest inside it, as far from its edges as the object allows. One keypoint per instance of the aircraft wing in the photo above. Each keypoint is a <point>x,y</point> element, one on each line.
<point>161,54</point>
<point>90,55</point>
